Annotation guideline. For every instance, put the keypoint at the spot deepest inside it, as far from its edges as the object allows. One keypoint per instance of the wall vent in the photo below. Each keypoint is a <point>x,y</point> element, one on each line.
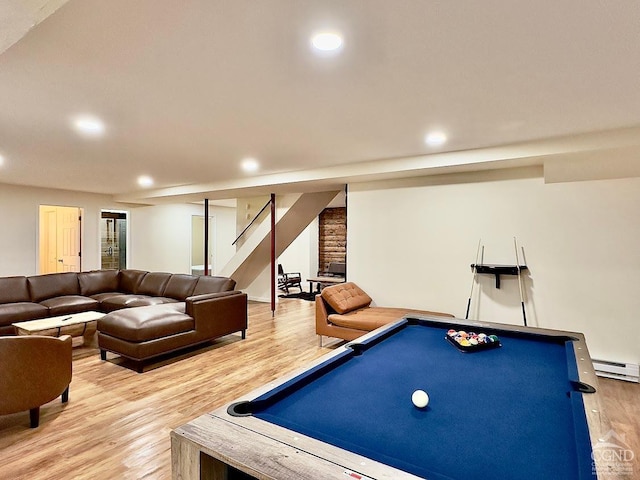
<point>629,372</point>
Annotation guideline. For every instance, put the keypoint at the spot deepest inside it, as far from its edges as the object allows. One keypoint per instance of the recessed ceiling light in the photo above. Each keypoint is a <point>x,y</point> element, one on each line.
<point>145,181</point>
<point>327,41</point>
<point>435,139</point>
<point>88,125</point>
<point>250,165</point>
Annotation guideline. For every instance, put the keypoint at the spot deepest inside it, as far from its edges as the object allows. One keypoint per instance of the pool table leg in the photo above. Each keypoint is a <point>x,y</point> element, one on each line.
<point>188,462</point>
<point>185,460</point>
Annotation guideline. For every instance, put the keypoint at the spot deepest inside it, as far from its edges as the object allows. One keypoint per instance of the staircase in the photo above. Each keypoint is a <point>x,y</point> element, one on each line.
<point>255,254</point>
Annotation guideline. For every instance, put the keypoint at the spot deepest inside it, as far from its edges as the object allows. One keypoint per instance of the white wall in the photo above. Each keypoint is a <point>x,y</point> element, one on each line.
<point>19,225</point>
<point>302,255</point>
<point>161,236</point>
<point>411,243</point>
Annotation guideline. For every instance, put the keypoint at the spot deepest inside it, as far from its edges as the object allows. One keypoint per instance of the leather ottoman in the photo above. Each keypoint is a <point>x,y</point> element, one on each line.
<point>145,332</point>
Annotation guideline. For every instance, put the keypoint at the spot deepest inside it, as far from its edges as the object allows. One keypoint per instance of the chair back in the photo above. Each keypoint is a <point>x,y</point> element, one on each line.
<point>337,269</point>
<point>34,370</point>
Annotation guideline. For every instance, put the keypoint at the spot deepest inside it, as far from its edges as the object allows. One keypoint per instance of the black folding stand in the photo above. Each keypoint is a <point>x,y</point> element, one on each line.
<point>498,270</point>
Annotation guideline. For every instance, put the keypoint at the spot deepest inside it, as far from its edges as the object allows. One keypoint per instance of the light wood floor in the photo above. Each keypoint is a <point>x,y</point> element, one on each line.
<point>117,422</point>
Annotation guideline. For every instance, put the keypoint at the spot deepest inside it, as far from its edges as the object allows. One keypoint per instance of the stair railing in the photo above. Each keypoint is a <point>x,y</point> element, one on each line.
<point>251,222</point>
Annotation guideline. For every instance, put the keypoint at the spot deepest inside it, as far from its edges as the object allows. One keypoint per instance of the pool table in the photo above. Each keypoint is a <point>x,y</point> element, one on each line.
<point>526,409</point>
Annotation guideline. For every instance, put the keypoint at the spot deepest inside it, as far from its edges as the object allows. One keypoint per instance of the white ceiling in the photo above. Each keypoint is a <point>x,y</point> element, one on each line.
<point>187,88</point>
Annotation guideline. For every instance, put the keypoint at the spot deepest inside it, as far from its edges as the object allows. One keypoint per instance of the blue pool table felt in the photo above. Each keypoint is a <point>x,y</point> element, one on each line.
<point>508,412</point>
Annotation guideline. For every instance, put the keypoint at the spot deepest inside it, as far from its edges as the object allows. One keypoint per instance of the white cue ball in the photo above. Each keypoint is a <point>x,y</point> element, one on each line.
<point>420,398</point>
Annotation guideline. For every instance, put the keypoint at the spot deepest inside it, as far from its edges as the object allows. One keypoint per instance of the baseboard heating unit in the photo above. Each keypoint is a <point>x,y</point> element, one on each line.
<point>629,372</point>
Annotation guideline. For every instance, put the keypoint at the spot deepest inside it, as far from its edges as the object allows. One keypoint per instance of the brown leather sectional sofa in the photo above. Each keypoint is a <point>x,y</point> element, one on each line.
<point>41,296</point>
<point>172,311</point>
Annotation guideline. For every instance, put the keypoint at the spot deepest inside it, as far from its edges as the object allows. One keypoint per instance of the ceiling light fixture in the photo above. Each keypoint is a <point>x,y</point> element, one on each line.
<point>88,125</point>
<point>250,165</point>
<point>435,139</point>
<point>327,41</point>
<point>145,181</point>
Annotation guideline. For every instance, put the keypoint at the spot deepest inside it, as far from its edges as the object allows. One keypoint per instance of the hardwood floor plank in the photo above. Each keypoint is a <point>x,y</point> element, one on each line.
<point>117,422</point>
<point>622,405</point>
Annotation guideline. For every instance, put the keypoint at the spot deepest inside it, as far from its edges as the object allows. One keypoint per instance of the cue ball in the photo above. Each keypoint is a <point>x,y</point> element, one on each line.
<point>420,398</point>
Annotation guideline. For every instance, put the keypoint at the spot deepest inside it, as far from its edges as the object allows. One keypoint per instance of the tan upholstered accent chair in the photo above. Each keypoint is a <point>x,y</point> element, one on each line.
<point>345,311</point>
<point>33,371</point>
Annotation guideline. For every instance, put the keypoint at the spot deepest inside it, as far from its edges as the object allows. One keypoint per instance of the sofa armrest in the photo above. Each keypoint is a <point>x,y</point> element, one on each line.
<point>218,314</point>
<point>207,296</point>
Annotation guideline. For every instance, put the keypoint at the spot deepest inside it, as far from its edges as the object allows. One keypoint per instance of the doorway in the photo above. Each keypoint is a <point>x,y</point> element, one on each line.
<point>60,243</point>
<point>113,240</point>
<point>197,244</point>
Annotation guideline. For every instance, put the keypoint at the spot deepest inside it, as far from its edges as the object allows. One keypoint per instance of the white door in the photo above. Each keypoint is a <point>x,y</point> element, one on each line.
<point>68,230</point>
<point>60,243</point>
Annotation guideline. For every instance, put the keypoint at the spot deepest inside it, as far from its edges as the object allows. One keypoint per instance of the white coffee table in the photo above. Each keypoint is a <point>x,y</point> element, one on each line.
<point>54,326</point>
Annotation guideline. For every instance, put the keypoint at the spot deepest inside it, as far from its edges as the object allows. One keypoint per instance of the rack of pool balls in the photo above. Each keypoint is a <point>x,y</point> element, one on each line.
<point>471,341</point>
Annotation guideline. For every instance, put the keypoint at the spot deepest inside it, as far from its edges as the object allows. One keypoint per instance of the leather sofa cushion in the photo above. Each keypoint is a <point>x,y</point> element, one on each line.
<point>145,323</point>
<point>101,297</point>
<point>116,302</point>
<point>14,289</point>
<point>153,284</point>
<point>143,301</point>
<point>130,280</point>
<point>97,281</point>
<point>345,297</point>
<point>69,304</point>
<point>21,312</point>
<point>52,285</point>
<point>211,284</point>
<point>7,330</point>
<point>180,286</point>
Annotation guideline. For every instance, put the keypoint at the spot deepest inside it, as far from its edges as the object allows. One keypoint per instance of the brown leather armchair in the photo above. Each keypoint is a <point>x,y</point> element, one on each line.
<point>33,371</point>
